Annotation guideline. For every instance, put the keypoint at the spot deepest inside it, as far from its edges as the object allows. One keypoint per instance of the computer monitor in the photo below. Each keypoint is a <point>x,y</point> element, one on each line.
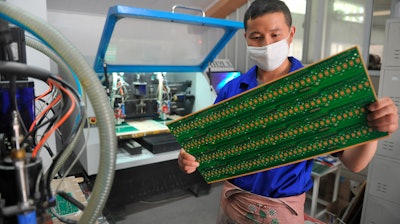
<point>219,79</point>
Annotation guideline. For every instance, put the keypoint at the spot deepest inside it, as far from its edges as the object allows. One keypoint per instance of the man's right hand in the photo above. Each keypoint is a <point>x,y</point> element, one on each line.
<point>187,163</point>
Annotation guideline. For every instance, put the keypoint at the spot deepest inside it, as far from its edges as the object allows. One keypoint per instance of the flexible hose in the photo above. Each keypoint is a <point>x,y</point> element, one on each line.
<point>39,46</point>
<point>95,92</point>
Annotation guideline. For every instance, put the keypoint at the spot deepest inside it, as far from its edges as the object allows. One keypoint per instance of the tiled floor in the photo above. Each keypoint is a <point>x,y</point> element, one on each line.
<point>180,209</point>
<point>184,208</point>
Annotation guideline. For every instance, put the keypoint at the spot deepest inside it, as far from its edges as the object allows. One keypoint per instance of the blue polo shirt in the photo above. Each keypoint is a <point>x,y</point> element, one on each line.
<point>284,181</point>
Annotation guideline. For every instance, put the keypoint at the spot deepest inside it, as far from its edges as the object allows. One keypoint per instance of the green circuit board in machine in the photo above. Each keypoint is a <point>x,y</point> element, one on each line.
<point>317,110</point>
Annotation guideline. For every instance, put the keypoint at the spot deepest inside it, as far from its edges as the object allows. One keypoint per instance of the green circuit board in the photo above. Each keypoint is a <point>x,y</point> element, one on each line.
<point>317,110</point>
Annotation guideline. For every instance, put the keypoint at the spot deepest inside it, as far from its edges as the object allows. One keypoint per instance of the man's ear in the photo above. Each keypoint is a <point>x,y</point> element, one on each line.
<point>292,32</point>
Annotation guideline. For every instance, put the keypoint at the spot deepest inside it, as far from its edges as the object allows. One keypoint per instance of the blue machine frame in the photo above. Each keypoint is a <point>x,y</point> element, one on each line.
<point>118,12</point>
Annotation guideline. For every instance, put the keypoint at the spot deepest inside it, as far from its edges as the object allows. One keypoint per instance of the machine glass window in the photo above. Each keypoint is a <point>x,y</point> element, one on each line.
<point>151,42</point>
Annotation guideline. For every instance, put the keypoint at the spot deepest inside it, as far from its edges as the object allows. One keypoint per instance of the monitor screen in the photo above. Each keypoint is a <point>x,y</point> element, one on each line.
<point>219,79</point>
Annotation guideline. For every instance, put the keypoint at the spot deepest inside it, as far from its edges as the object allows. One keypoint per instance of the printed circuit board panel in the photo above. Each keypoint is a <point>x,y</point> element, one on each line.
<point>317,110</point>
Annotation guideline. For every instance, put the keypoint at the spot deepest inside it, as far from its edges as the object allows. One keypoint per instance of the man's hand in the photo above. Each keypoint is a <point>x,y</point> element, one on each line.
<point>383,116</point>
<point>187,163</point>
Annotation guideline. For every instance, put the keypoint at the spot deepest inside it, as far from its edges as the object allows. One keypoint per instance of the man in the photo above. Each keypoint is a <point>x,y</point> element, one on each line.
<point>278,195</point>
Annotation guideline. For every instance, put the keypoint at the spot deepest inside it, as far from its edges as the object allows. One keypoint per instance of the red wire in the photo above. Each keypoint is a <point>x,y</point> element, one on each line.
<point>58,124</point>
<point>56,100</point>
<point>47,92</point>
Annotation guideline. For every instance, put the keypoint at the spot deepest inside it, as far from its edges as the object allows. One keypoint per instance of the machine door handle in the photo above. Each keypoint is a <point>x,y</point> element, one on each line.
<point>188,8</point>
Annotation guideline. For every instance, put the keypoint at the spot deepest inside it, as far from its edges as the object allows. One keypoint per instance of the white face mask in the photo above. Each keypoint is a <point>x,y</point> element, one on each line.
<point>271,56</point>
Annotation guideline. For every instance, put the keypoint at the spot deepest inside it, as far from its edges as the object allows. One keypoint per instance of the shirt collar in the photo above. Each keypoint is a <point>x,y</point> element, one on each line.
<point>250,77</point>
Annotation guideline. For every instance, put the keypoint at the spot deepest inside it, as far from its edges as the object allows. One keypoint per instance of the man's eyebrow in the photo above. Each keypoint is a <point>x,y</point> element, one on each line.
<point>254,32</point>
<point>269,31</point>
<point>275,30</point>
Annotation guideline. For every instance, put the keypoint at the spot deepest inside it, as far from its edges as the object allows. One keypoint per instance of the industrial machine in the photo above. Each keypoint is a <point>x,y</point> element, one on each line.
<point>28,120</point>
<point>135,78</point>
<point>143,71</point>
<point>154,77</point>
<point>146,95</point>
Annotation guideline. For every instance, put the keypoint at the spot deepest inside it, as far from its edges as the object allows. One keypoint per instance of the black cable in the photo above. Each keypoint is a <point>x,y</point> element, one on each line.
<point>50,122</point>
<point>20,69</point>
<point>62,219</point>
<point>106,80</point>
<point>15,68</point>
<point>66,144</point>
<point>3,53</point>
<point>74,131</point>
<point>62,109</point>
<point>48,149</point>
<point>71,199</point>
<point>56,114</point>
<point>13,81</point>
<point>55,161</point>
<point>47,180</point>
<point>80,106</point>
<point>44,101</point>
<point>13,93</point>
<point>68,86</point>
<point>81,113</point>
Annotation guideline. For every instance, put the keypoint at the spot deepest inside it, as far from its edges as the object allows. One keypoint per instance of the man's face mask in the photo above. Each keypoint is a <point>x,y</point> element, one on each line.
<point>271,56</point>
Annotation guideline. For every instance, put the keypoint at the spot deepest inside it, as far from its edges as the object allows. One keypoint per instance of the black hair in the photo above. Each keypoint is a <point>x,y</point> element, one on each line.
<point>261,7</point>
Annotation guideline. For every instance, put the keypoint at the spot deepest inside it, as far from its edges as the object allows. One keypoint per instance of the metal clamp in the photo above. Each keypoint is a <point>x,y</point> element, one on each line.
<point>188,8</point>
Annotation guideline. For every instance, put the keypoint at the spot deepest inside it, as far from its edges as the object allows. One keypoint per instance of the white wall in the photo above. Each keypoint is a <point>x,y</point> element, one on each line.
<point>83,30</point>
